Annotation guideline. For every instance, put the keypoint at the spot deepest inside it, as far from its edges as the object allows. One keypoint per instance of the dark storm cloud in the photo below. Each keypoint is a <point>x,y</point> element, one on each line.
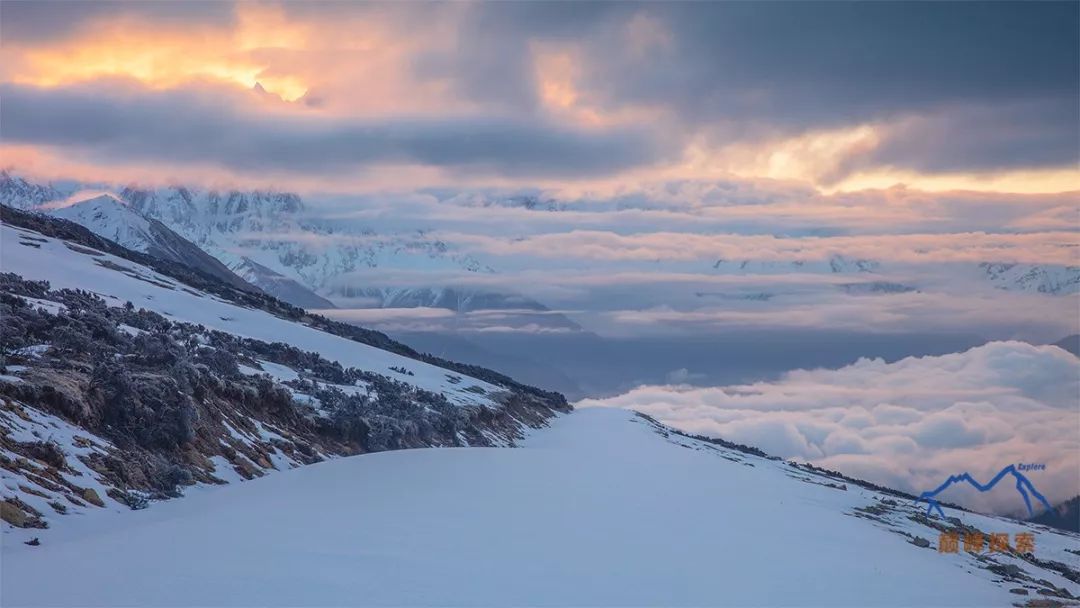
<point>815,62</point>
<point>736,70</point>
<point>43,20</point>
<point>131,123</point>
<point>799,63</point>
<point>958,85</point>
<point>1020,135</point>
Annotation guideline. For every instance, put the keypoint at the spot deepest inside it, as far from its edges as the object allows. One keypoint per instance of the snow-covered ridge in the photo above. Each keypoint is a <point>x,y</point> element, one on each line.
<point>108,216</point>
<point>657,519</point>
<point>112,218</point>
<point>312,394</point>
<point>119,281</point>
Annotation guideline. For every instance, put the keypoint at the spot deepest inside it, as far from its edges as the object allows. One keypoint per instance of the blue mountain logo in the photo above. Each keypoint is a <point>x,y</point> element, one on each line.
<point>1023,486</point>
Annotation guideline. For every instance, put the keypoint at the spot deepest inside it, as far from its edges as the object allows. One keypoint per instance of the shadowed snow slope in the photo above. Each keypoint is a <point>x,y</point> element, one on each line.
<point>599,509</point>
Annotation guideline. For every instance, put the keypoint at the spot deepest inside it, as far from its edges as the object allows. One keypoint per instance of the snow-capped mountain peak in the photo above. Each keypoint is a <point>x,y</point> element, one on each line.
<point>109,216</point>
<point>1040,278</point>
<point>835,264</point>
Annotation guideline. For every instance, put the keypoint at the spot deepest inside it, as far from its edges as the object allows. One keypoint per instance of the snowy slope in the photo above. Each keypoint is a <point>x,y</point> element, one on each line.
<point>279,285</point>
<point>118,281</point>
<point>601,509</point>
<point>108,216</point>
<point>112,218</point>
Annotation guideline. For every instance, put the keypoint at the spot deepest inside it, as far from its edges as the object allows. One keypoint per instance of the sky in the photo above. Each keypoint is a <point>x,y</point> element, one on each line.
<point>643,168</point>
<point>348,96</point>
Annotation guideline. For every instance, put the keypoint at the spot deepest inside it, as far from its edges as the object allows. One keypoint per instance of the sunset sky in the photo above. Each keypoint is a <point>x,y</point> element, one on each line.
<point>347,96</point>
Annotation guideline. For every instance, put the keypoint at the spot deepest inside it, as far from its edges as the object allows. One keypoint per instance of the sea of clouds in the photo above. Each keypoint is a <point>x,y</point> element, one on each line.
<point>907,424</point>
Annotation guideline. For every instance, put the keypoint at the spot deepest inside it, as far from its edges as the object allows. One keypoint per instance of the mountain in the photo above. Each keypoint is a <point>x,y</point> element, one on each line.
<point>517,360</point>
<point>280,286</point>
<point>876,287</point>
<point>476,308</point>
<point>1039,278</point>
<point>152,415</point>
<point>276,243</point>
<point>1065,516</point>
<point>109,217</point>
<point>22,194</point>
<point>128,378</point>
<point>657,518</point>
<point>835,264</point>
<point>1049,279</point>
<point>1070,343</point>
<point>276,230</point>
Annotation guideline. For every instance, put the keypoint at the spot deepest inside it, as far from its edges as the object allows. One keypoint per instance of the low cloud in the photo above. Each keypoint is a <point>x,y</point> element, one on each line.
<point>907,424</point>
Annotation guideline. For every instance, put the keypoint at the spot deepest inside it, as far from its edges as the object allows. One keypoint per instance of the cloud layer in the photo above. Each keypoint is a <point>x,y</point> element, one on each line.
<point>907,424</point>
<point>124,123</point>
<point>828,93</point>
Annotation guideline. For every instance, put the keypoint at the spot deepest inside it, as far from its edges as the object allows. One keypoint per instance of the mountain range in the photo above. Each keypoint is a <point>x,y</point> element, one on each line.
<point>268,239</point>
<point>133,377</point>
<point>273,241</point>
<point>148,403</point>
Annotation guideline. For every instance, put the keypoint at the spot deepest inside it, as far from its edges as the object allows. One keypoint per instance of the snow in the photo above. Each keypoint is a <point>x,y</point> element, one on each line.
<point>64,267</point>
<point>225,471</point>
<point>12,369</point>
<point>76,443</point>
<point>129,330</point>
<point>110,217</point>
<point>49,306</point>
<point>600,510</point>
<point>276,371</point>
<point>34,350</point>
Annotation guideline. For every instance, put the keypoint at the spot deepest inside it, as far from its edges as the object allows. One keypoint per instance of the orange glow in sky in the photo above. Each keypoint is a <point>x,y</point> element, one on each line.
<point>162,58</point>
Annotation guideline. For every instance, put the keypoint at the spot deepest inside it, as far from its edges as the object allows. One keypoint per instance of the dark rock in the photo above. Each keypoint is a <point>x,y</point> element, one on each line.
<point>1010,571</point>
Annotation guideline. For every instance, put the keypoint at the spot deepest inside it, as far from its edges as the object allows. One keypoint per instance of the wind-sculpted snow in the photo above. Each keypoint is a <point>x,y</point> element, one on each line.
<point>602,509</point>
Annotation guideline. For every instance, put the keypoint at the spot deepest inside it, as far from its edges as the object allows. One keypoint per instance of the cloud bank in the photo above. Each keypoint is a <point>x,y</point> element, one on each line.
<point>907,424</point>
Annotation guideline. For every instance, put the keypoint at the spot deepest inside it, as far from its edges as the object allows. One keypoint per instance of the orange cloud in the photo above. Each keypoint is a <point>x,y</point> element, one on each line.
<point>162,57</point>
<point>1026,181</point>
